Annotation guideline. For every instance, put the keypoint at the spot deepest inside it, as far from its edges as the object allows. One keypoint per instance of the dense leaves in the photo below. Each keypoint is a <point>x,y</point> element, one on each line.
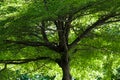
<point>86,32</point>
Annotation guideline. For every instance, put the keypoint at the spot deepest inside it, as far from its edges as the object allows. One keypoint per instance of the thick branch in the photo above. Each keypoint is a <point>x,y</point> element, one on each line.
<point>62,28</point>
<point>51,46</point>
<point>99,22</point>
<point>67,28</point>
<point>21,61</point>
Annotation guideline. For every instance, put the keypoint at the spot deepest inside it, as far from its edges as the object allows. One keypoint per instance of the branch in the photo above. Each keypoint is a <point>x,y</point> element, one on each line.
<point>51,46</point>
<point>21,61</point>
<point>67,28</point>
<point>99,22</point>
<point>112,21</point>
<point>86,7</point>
<point>35,34</point>
<point>60,29</point>
<point>43,31</point>
<point>63,30</point>
<point>89,47</point>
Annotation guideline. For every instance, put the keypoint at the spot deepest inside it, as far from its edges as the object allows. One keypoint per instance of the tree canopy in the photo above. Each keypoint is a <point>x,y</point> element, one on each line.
<point>71,35</point>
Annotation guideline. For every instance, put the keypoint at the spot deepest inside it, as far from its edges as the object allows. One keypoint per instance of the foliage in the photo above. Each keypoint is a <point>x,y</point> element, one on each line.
<point>34,77</point>
<point>38,32</point>
<point>116,74</point>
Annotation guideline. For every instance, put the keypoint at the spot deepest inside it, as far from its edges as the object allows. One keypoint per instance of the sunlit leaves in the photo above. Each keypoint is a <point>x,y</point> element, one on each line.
<point>21,20</point>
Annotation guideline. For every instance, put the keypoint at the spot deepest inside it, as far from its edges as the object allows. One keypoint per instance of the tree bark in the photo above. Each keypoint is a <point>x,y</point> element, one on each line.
<point>64,64</point>
<point>63,33</point>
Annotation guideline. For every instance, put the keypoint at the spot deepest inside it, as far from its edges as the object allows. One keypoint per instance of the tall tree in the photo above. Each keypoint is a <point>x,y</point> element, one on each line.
<point>51,24</point>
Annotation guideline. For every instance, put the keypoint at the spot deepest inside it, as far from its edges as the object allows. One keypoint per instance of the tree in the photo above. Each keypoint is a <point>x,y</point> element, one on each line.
<point>59,26</point>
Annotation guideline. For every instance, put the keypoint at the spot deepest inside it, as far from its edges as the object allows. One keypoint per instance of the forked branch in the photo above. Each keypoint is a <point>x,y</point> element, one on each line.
<point>99,22</point>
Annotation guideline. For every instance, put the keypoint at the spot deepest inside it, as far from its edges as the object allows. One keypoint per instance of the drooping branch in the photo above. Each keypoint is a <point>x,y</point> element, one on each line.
<point>99,22</point>
<point>51,46</point>
<point>21,61</point>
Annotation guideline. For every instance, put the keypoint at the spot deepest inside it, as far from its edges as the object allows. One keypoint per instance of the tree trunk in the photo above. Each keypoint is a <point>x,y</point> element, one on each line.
<point>63,32</point>
<point>64,64</point>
